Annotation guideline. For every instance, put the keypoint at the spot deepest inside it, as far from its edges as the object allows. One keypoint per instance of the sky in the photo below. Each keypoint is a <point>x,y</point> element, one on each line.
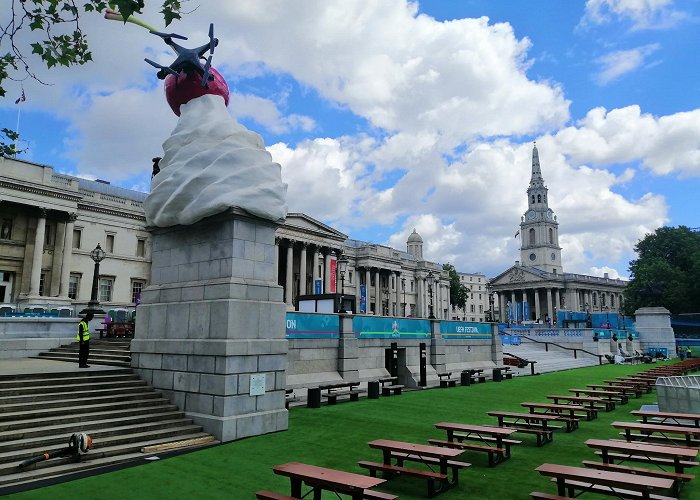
<point>390,115</point>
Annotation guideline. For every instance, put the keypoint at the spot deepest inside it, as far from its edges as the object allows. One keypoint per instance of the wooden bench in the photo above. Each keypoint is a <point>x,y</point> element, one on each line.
<point>446,379</point>
<point>618,397</point>
<point>378,495</point>
<point>389,385</point>
<point>678,478</point>
<point>477,375</point>
<point>619,492</point>
<point>333,391</point>
<point>505,372</point>
<point>558,409</point>
<point>538,495</point>
<point>496,455</point>
<point>622,389</point>
<point>389,470</point>
<point>590,402</point>
<point>271,495</point>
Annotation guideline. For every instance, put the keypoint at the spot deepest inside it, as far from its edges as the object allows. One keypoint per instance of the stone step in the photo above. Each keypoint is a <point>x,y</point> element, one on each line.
<point>93,350</point>
<point>82,385</point>
<point>50,428</point>
<point>50,396</point>
<point>94,356</point>
<point>75,401</point>
<point>69,410</point>
<point>68,378</point>
<point>59,375</point>
<point>74,359</point>
<point>84,417</point>
<point>9,473</point>
<point>14,457</point>
<point>59,434</point>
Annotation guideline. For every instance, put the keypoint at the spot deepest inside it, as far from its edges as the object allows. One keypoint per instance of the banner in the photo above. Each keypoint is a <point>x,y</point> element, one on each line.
<point>363,299</point>
<point>318,287</point>
<point>526,311</point>
<point>312,326</point>
<point>334,276</point>
<point>461,330</point>
<point>378,328</point>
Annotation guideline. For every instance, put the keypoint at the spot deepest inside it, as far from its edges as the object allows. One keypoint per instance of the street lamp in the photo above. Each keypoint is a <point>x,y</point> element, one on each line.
<point>403,288</point>
<point>97,255</point>
<point>431,281</point>
<point>342,268</point>
<point>490,306</point>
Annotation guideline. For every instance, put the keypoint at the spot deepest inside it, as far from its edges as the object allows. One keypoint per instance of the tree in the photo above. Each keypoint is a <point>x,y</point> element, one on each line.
<point>666,272</point>
<point>458,292</point>
<point>60,40</point>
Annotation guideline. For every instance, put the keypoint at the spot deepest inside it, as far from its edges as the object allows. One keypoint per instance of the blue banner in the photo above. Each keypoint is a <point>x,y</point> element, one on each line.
<point>511,312</point>
<point>318,287</point>
<point>526,311</point>
<point>460,330</point>
<point>363,298</point>
<point>312,326</point>
<point>383,328</point>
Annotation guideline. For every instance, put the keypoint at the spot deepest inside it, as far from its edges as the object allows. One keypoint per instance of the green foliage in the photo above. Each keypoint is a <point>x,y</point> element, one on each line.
<point>458,292</point>
<point>58,37</point>
<point>666,272</point>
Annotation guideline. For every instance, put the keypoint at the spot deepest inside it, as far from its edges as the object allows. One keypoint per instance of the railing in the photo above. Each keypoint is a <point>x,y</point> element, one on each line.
<point>523,360</point>
<point>575,349</point>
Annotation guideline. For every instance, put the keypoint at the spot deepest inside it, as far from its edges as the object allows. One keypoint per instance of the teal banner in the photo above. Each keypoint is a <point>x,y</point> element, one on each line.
<point>367,327</point>
<point>312,326</point>
<point>460,330</point>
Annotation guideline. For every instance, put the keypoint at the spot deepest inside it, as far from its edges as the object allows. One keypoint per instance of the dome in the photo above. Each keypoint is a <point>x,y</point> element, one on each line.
<point>414,237</point>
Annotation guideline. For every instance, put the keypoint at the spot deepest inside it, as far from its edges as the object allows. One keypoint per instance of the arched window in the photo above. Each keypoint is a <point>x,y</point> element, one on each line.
<point>539,198</point>
<point>532,237</point>
<point>612,300</point>
<point>551,236</point>
<point>595,299</point>
<point>602,300</point>
<point>533,198</point>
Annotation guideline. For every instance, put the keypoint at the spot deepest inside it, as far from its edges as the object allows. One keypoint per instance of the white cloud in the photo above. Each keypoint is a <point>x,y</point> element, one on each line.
<point>644,14</point>
<point>621,62</point>
<point>266,113</point>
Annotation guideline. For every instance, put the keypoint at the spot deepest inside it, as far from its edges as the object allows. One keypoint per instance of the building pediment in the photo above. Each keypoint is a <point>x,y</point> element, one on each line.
<point>298,223</point>
<point>519,274</point>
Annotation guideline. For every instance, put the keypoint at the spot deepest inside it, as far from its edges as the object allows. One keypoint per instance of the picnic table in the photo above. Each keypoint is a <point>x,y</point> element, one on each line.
<point>572,410</point>
<point>494,440</point>
<point>587,401</point>
<point>333,391</point>
<point>622,451</point>
<point>668,418</point>
<point>570,479</point>
<point>668,434</point>
<point>321,478</point>
<point>412,452</point>
<point>389,385</point>
<point>623,389</point>
<point>611,395</point>
<point>446,379</point>
<point>539,425</point>
<point>640,384</point>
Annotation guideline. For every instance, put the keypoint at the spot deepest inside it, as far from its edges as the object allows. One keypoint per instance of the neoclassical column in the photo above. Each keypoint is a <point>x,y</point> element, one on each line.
<point>377,294</point>
<point>397,292</point>
<point>327,271</point>
<point>557,299</point>
<point>368,289</point>
<point>538,312</point>
<point>276,265</point>
<point>549,303</point>
<point>288,282</point>
<point>512,305</point>
<point>524,301</point>
<point>302,270</point>
<point>67,255</point>
<point>38,253</point>
<point>358,294</point>
<point>502,313</point>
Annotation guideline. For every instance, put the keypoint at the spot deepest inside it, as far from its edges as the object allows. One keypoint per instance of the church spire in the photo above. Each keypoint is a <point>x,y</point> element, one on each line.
<point>536,179</point>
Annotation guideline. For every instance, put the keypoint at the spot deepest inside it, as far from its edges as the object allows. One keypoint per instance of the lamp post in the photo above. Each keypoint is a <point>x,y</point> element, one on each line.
<point>342,268</point>
<point>431,281</point>
<point>490,306</point>
<point>403,288</point>
<point>97,255</point>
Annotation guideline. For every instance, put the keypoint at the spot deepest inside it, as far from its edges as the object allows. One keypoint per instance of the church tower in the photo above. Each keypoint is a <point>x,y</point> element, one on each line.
<point>539,229</point>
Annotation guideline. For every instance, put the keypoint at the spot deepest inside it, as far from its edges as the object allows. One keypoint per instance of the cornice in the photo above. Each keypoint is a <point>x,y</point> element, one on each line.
<point>40,190</point>
<point>111,211</point>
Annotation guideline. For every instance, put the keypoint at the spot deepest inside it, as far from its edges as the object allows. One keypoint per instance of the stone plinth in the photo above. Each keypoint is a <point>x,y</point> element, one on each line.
<point>654,327</point>
<point>210,326</point>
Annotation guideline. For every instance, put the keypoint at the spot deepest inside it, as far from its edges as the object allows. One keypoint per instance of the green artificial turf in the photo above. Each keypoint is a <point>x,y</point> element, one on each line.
<point>337,436</point>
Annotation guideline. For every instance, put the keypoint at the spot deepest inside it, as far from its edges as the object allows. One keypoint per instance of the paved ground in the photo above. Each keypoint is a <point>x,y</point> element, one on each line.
<point>30,365</point>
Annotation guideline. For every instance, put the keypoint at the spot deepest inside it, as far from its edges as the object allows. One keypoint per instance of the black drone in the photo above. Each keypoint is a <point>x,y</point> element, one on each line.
<point>188,60</point>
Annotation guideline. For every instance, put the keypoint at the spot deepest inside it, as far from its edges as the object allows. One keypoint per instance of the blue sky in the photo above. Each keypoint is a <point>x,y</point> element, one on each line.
<point>389,115</point>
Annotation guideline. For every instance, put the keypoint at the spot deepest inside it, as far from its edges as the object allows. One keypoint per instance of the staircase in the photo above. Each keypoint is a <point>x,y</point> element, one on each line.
<point>548,361</point>
<point>112,352</point>
<point>39,413</point>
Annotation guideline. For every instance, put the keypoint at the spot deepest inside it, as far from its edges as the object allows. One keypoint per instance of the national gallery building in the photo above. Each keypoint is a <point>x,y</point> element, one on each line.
<point>50,223</point>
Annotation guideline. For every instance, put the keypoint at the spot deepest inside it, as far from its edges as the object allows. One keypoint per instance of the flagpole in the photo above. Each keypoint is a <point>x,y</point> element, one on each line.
<point>19,110</point>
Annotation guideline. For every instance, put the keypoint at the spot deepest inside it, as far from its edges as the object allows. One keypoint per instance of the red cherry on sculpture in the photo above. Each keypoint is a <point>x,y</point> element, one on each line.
<point>186,87</point>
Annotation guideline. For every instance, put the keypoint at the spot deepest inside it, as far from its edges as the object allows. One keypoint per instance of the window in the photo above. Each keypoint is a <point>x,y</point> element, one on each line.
<point>109,243</point>
<point>140,247</point>
<point>350,277</point>
<point>6,229</point>
<point>533,198</point>
<point>411,285</point>
<point>481,309</point>
<point>471,308</point>
<point>612,300</point>
<point>42,281</point>
<point>73,286</point>
<point>539,198</point>
<point>595,300</point>
<point>48,235</point>
<point>532,236</point>
<point>77,238</point>
<point>105,288</point>
<point>136,287</point>
<point>551,236</point>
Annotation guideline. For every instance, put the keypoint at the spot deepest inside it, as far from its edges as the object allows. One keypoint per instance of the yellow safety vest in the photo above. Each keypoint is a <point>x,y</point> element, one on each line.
<point>83,330</point>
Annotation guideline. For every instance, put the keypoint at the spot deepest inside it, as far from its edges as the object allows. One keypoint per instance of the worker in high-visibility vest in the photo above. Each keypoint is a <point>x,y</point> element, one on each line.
<point>84,340</point>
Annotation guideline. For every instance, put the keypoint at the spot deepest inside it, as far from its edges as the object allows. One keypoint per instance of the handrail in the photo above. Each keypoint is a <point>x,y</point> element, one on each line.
<point>546,348</point>
<point>526,361</point>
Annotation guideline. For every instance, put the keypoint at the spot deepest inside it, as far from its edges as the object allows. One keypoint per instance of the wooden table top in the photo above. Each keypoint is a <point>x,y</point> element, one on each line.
<point>553,406</point>
<point>414,448</point>
<point>671,429</point>
<point>594,391</point>
<point>608,478</point>
<point>647,449</point>
<point>525,416</point>
<point>666,414</point>
<point>312,474</point>
<point>475,428</point>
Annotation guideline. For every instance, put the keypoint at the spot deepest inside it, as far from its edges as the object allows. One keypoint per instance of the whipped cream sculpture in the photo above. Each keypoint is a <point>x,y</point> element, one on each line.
<point>210,163</point>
